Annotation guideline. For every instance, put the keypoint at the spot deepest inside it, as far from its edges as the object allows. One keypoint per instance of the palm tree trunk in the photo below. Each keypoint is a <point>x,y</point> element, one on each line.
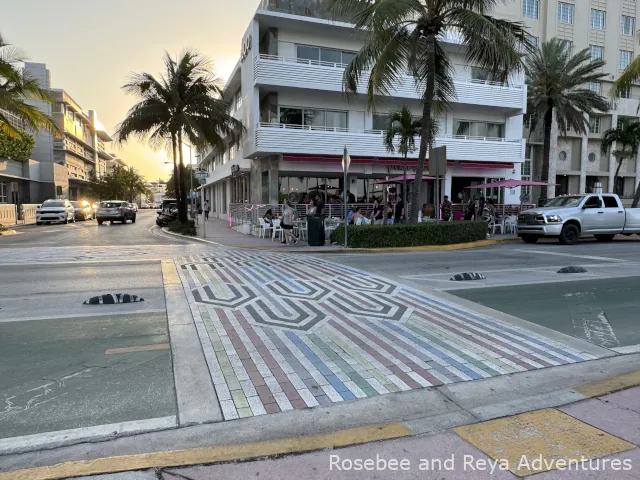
<point>404,189</point>
<point>176,180</point>
<point>546,153</point>
<point>636,197</point>
<point>615,176</point>
<point>182,206</point>
<point>425,140</point>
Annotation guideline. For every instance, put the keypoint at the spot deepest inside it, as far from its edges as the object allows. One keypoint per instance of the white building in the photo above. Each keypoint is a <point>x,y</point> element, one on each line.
<point>287,90</point>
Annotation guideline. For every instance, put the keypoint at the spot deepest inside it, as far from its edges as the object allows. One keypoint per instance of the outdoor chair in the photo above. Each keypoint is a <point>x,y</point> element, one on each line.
<point>509,224</point>
<point>264,228</point>
<point>277,228</point>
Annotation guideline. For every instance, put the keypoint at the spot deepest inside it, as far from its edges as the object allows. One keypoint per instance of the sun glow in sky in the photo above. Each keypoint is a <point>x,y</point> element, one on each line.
<point>91,47</point>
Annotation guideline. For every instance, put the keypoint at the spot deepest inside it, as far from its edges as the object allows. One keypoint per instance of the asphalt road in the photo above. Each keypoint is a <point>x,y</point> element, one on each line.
<point>89,233</point>
<point>62,363</point>
<point>522,280</point>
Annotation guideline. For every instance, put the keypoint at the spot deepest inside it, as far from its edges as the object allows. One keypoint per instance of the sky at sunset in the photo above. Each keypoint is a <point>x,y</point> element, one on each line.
<point>90,48</point>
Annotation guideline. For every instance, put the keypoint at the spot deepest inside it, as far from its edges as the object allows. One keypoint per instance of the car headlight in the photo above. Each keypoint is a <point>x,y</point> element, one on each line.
<point>554,219</point>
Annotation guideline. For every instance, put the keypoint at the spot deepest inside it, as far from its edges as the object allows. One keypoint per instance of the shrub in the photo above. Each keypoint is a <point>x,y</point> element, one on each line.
<point>188,228</point>
<point>16,148</point>
<point>403,235</point>
<point>3,228</point>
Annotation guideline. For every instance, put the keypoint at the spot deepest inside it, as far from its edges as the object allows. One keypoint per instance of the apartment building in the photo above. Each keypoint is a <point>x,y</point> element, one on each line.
<point>286,88</point>
<point>608,29</point>
<point>83,148</point>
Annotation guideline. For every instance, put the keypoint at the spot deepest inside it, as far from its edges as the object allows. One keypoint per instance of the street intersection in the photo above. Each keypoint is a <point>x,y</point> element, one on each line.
<point>226,334</point>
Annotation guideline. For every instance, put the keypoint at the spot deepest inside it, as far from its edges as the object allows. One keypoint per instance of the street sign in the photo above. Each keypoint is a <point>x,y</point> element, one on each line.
<point>438,164</point>
<point>200,174</point>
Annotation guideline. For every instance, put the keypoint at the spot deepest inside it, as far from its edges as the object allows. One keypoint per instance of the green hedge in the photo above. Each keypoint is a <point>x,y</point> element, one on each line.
<point>404,235</point>
<point>188,228</point>
<point>16,148</point>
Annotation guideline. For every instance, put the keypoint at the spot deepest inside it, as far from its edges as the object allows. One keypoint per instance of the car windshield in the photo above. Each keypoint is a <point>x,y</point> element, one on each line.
<point>52,203</point>
<point>111,204</point>
<point>573,201</point>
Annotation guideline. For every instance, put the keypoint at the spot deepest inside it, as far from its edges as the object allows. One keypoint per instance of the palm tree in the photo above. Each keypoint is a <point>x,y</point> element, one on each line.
<point>627,138</point>
<point>185,102</point>
<point>17,87</point>
<point>408,36</point>
<point>403,127</point>
<point>557,81</point>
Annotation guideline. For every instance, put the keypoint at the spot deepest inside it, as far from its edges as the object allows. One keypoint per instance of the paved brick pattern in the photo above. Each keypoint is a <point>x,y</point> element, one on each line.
<point>283,331</point>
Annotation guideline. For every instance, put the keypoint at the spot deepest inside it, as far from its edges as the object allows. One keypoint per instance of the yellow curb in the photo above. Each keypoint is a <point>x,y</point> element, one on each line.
<point>7,233</point>
<point>610,385</point>
<point>196,456</point>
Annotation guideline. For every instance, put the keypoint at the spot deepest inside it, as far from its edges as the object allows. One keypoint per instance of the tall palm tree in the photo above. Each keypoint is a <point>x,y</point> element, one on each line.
<point>185,102</point>
<point>17,87</point>
<point>558,80</point>
<point>407,37</point>
<point>627,140</point>
<point>402,129</point>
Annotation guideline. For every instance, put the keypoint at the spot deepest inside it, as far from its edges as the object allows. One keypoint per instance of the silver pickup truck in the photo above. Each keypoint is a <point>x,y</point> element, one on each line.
<point>572,216</point>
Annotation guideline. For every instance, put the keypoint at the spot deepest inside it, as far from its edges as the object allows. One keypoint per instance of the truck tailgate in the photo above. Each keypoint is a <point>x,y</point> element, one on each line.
<point>632,222</point>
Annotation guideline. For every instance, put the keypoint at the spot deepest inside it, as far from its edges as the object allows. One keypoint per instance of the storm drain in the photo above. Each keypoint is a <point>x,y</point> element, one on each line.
<point>111,299</point>
<point>572,269</point>
<point>459,277</point>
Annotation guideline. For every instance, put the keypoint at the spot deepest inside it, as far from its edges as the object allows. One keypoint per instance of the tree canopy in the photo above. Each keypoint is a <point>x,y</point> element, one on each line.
<point>122,183</point>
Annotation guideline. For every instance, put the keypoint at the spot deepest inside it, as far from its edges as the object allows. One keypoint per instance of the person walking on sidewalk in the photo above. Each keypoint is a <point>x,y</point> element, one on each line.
<point>206,209</point>
<point>287,223</point>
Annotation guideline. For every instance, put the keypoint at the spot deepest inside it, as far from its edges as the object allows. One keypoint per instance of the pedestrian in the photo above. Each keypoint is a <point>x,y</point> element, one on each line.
<point>206,209</point>
<point>481,205</point>
<point>399,212</point>
<point>376,215</point>
<point>288,216</point>
<point>389,213</point>
<point>446,209</point>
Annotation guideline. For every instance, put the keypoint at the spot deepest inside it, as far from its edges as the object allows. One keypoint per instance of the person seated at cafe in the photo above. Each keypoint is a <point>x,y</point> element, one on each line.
<point>268,217</point>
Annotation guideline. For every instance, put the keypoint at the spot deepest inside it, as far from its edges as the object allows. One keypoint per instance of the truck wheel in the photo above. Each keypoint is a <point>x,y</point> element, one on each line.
<point>604,238</point>
<point>569,234</point>
<point>530,238</point>
<point>38,223</point>
<point>133,220</point>
<point>99,221</point>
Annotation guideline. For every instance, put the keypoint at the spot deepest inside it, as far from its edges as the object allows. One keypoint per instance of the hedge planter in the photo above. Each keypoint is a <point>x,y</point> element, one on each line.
<point>415,235</point>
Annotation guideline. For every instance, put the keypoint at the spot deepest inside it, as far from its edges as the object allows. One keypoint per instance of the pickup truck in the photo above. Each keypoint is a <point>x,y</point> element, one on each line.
<point>570,217</point>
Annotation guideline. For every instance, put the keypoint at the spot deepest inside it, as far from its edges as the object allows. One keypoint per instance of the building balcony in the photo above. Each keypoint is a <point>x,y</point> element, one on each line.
<point>270,70</point>
<point>626,107</point>
<point>274,138</point>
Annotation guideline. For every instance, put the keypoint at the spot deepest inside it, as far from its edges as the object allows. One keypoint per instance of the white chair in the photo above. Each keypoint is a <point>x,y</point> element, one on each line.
<point>303,229</point>
<point>277,228</point>
<point>264,228</point>
<point>509,224</point>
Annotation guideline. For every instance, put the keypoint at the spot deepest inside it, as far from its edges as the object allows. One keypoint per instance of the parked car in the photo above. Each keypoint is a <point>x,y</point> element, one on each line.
<point>55,211</point>
<point>570,217</point>
<point>115,211</point>
<point>134,206</point>
<point>83,210</point>
<point>144,205</point>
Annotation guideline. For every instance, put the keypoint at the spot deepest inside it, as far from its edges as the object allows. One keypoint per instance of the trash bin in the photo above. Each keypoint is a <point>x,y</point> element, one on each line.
<point>315,230</point>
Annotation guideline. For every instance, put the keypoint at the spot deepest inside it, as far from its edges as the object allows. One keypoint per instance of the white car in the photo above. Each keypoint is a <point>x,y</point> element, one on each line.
<point>55,211</point>
<point>144,205</point>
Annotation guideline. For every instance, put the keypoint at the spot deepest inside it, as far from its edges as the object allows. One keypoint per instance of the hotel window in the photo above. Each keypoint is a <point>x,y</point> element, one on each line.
<point>568,46</point>
<point>306,54</point>
<point>594,125</point>
<point>530,8</point>
<point>482,75</point>
<point>596,87</point>
<point>627,25</point>
<point>532,40</point>
<point>625,58</point>
<point>473,128</point>
<point>597,52</point>
<point>313,117</point>
<point>626,93</point>
<point>526,122</point>
<point>565,13</point>
<point>597,19</point>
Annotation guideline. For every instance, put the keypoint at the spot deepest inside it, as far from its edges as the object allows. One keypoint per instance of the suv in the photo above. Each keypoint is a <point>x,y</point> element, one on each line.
<point>83,210</point>
<point>55,211</point>
<point>115,211</point>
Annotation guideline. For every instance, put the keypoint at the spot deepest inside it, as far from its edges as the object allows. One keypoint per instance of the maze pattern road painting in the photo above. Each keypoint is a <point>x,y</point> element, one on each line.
<point>283,331</point>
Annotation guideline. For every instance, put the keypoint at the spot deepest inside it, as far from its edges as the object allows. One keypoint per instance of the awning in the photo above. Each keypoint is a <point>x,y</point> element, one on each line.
<point>14,177</point>
<point>511,183</point>
<point>410,179</point>
<point>389,161</point>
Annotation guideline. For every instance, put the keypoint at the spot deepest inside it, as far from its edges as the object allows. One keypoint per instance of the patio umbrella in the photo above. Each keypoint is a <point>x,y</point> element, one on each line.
<point>410,178</point>
<point>512,183</point>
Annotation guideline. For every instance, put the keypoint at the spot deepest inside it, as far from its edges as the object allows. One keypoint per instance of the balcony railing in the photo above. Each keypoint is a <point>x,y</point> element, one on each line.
<point>313,140</point>
<point>328,76</point>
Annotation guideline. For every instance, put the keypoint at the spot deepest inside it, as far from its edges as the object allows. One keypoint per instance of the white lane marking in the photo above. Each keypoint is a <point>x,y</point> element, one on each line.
<point>629,349</point>
<point>593,324</point>
<point>560,254</point>
<point>77,435</point>
<point>102,313</point>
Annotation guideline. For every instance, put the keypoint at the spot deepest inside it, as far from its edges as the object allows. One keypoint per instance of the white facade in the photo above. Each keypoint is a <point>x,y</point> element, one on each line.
<point>287,91</point>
